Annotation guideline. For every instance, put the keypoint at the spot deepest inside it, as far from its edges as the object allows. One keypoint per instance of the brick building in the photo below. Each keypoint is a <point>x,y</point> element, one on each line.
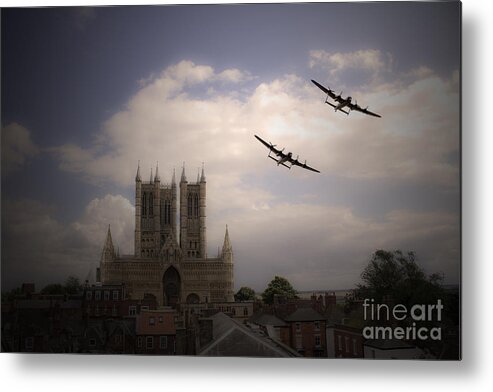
<point>156,332</point>
<point>307,332</point>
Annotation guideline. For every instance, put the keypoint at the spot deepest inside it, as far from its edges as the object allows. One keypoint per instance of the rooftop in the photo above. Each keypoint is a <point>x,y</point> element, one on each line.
<point>305,314</point>
<point>231,339</point>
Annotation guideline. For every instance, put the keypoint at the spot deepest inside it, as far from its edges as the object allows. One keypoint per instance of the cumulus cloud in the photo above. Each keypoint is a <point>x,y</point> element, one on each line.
<point>319,246</point>
<point>114,211</point>
<point>17,147</point>
<point>274,231</point>
<point>38,247</point>
<point>419,129</point>
<point>336,63</point>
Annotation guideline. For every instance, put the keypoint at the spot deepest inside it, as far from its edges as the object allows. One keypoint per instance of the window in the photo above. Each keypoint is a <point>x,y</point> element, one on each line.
<point>106,295</point>
<point>132,310</point>
<point>299,342</point>
<point>317,325</point>
<point>144,308</point>
<point>346,342</point>
<point>89,295</point>
<point>196,205</point>
<point>298,327</point>
<point>92,342</point>
<point>96,310</point>
<point>151,206</point>
<point>163,341</point>
<point>189,202</point>
<point>115,295</point>
<point>166,213</point>
<point>114,311</point>
<point>139,342</point>
<point>339,342</point>
<point>317,340</point>
<point>355,348</point>
<point>149,342</point>
<point>152,321</point>
<point>97,295</point>
<point>144,204</point>
<point>161,319</point>
<point>29,343</point>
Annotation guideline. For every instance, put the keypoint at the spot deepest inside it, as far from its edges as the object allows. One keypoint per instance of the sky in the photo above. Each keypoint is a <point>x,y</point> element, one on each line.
<point>89,92</point>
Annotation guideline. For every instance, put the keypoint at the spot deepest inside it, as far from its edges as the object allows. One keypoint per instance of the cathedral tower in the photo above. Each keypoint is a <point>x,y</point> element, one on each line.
<point>192,217</point>
<point>155,214</point>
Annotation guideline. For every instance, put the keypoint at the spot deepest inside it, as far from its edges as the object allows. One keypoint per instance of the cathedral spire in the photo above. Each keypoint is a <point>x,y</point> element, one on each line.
<point>227,245</point>
<point>173,180</point>
<point>108,248</point>
<point>202,177</point>
<point>183,177</point>
<point>137,176</point>
<point>157,178</point>
<point>151,176</point>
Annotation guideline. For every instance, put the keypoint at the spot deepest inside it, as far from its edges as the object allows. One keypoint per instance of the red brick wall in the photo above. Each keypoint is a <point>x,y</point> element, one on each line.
<point>308,334</point>
<point>347,346</point>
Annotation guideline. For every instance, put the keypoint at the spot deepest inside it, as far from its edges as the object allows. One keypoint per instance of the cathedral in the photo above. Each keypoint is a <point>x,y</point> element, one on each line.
<point>172,266</point>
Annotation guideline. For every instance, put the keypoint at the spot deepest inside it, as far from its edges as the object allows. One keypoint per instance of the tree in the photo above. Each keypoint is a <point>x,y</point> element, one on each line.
<point>397,276</point>
<point>72,285</point>
<point>245,294</point>
<point>53,289</point>
<point>278,286</point>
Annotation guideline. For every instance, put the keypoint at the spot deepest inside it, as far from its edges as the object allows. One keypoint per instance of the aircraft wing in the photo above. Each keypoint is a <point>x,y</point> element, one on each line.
<point>327,91</point>
<point>303,165</point>
<point>353,106</point>
<point>270,146</point>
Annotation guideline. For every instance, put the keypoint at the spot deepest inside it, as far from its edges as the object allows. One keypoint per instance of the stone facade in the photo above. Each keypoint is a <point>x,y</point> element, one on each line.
<point>173,270</point>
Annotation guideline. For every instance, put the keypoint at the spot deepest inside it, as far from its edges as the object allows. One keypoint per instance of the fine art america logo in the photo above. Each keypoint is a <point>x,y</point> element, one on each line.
<point>419,313</point>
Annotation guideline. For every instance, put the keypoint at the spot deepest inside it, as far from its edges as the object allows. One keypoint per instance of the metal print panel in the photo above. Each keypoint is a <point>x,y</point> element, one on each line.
<point>262,180</point>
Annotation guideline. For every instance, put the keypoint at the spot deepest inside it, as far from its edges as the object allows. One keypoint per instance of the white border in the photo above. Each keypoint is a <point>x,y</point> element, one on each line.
<point>86,373</point>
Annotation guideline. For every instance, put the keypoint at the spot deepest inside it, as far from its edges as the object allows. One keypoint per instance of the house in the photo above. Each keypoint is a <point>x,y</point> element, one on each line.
<point>230,338</point>
<point>307,332</point>
<point>272,326</point>
<point>344,341</point>
<point>155,332</point>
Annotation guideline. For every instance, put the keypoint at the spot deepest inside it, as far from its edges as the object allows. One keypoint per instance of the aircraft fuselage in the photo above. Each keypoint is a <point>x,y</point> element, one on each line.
<point>284,159</point>
<point>343,103</point>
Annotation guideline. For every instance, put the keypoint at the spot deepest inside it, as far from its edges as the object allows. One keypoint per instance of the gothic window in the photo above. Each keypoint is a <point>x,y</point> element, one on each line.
<point>196,205</point>
<point>144,204</point>
<point>190,207</point>
<point>151,207</point>
<point>166,212</point>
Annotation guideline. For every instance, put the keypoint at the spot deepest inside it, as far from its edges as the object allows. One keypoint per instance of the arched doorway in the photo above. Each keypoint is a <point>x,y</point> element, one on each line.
<point>171,287</point>
<point>193,299</point>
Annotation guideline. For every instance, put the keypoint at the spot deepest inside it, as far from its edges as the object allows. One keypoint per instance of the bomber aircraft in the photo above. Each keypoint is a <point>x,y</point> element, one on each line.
<point>282,158</point>
<point>343,102</point>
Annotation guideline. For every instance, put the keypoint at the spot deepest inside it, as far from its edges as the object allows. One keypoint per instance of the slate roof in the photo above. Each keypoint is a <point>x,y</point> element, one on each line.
<point>304,314</point>
<point>265,319</point>
<point>232,339</point>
